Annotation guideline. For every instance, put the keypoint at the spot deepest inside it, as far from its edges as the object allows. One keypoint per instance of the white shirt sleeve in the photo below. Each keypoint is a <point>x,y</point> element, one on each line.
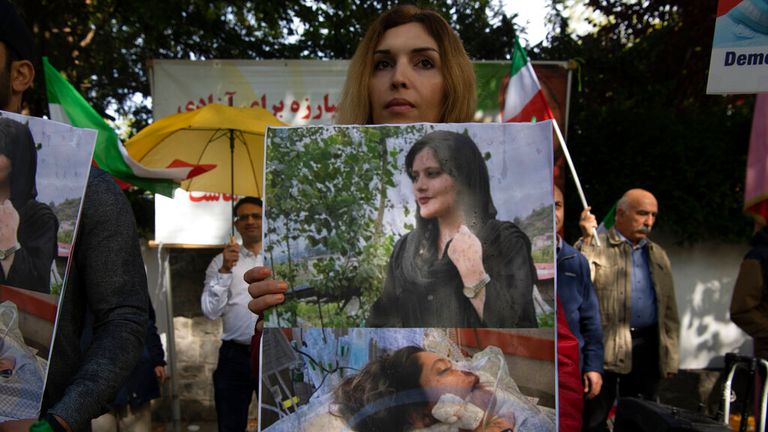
<point>215,290</point>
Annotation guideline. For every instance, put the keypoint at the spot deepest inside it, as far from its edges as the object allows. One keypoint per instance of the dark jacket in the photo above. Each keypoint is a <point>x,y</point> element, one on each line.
<point>433,297</point>
<point>142,385</point>
<point>579,302</point>
<point>749,304</point>
<point>107,278</point>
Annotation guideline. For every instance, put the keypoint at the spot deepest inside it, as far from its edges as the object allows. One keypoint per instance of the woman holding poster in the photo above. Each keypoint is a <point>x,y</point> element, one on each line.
<point>410,67</point>
<point>460,267</point>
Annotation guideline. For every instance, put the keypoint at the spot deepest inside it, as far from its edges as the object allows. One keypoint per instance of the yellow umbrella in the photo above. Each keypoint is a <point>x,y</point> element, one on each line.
<point>230,138</point>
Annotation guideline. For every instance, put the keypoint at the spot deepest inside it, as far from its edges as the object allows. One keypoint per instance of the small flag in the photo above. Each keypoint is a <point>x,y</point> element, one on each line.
<point>756,184</point>
<point>523,99</point>
<point>68,106</point>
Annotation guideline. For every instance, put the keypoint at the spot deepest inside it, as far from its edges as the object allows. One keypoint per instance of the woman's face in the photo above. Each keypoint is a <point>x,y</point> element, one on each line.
<point>434,189</point>
<point>439,376</point>
<point>407,83</point>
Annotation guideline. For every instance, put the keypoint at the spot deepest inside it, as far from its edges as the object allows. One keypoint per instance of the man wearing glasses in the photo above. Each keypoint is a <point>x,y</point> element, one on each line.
<point>226,295</point>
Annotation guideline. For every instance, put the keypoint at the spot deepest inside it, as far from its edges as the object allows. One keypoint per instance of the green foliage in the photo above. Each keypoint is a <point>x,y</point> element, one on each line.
<point>543,255</point>
<point>65,236</point>
<point>327,189</point>
<point>546,320</point>
<point>103,46</point>
<point>66,210</point>
<point>642,118</point>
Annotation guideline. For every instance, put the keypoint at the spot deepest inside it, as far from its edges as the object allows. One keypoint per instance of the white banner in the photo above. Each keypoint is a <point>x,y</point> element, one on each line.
<point>298,92</point>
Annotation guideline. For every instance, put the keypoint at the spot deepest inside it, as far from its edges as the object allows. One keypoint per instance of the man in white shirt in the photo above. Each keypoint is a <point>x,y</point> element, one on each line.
<point>226,295</point>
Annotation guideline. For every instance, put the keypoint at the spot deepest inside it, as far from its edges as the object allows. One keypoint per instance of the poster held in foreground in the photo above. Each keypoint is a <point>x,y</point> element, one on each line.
<point>46,164</point>
<point>422,225</point>
<point>320,380</point>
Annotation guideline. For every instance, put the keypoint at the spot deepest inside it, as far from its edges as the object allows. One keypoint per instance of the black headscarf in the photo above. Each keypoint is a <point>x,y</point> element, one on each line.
<point>17,144</point>
<point>460,158</point>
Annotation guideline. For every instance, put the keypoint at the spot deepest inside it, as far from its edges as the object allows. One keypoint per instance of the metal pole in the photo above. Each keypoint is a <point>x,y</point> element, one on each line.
<point>232,177</point>
<point>166,280</point>
<point>567,155</point>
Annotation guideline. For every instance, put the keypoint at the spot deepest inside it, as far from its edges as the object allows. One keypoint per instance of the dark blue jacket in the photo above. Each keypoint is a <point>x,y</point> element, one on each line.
<point>577,296</point>
<point>142,385</point>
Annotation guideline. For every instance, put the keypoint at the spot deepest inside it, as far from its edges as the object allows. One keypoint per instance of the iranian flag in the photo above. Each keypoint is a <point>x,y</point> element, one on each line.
<point>66,105</point>
<point>523,99</point>
<point>756,184</point>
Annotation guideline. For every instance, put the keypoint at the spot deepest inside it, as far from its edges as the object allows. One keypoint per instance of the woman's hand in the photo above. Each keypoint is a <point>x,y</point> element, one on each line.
<point>265,293</point>
<point>9,225</point>
<point>466,253</point>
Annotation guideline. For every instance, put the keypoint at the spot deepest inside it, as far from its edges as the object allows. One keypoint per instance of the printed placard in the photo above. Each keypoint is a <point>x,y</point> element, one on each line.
<point>407,379</point>
<point>739,62</point>
<point>45,166</point>
<point>423,225</point>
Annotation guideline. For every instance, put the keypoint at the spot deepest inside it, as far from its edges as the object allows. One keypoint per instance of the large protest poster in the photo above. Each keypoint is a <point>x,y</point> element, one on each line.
<point>362,238</point>
<point>739,48</point>
<point>321,380</point>
<point>45,166</point>
<point>298,92</point>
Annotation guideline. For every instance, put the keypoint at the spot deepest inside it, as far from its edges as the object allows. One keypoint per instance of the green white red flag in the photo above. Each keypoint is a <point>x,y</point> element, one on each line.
<point>756,184</point>
<point>66,105</point>
<point>523,99</point>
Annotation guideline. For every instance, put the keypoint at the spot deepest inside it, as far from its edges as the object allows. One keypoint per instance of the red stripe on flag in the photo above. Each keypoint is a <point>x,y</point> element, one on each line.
<point>536,108</point>
<point>196,169</point>
<point>756,182</point>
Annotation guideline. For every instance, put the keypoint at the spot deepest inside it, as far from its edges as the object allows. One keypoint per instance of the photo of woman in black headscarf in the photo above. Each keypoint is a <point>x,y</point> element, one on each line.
<point>460,266</point>
<point>28,243</point>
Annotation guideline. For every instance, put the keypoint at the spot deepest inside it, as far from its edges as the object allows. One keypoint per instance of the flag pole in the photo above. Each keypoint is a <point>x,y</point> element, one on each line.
<point>573,173</point>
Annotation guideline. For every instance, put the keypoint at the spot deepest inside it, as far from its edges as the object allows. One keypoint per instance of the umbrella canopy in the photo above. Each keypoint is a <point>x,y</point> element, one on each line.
<point>230,138</point>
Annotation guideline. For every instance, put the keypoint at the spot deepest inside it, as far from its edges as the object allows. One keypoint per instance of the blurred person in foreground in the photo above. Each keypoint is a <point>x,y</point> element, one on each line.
<point>578,303</point>
<point>749,304</point>
<point>106,279</point>
<point>635,290</point>
<point>132,409</point>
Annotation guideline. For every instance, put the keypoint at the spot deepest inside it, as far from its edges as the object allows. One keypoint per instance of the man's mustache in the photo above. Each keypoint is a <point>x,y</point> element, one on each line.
<point>645,229</point>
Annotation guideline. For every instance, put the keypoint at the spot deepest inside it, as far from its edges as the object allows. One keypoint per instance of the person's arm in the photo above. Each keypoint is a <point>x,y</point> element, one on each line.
<point>216,289</point>
<point>108,256</point>
<point>466,253</point>
<point>30,266</point>
<point>749,310</point>
<point>509,294</point>
<point>589,322</point>
<point>671,324</point>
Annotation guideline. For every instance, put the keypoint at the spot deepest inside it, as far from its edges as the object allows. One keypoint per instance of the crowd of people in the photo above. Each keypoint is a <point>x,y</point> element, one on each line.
<point>615,289</point>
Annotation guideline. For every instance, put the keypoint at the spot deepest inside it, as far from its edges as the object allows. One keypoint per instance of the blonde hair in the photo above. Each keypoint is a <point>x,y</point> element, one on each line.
<point>458,74</point>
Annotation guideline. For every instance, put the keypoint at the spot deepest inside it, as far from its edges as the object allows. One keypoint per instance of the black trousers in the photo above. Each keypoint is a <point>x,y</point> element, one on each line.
<point>233,386</point>
<point>641,382</point>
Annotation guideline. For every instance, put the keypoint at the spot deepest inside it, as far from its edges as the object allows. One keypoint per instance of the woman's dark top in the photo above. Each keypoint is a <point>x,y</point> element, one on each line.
<point>31,267</point>
<point>433,297</point>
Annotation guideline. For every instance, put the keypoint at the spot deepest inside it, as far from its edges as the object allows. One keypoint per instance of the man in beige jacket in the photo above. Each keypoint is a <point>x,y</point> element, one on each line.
<point>635,290</point>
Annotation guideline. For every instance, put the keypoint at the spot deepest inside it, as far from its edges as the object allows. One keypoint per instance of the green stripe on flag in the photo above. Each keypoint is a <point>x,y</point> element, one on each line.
<point>106,154</point>
<point>519,58</point>
<point>610,218</point>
